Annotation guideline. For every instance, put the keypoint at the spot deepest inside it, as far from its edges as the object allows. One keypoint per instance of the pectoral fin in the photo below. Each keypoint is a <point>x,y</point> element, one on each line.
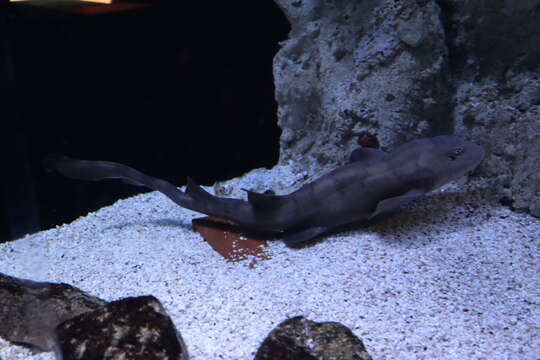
<point>301,236</point>
<point>392,203</point>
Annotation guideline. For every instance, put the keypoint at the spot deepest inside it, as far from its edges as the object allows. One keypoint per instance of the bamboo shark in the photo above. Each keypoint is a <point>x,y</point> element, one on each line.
<point>373,183</point>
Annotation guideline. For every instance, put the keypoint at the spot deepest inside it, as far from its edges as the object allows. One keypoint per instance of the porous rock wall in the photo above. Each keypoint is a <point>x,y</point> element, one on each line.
<point>409,68</point>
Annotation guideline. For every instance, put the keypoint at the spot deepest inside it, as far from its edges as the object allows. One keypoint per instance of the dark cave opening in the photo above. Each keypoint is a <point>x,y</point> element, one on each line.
<point>170,89</point>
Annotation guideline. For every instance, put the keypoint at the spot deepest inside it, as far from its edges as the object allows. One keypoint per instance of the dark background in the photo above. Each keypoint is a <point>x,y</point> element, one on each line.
<point>172,89</point>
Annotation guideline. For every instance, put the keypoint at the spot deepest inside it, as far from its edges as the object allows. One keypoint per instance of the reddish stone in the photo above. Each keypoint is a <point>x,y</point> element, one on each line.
<point>368,140</point>
<point>231,241</point>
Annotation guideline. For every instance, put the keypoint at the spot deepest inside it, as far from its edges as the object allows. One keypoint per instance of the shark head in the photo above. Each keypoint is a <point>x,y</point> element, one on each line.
<point>433,162</point>
<point>450,157</point>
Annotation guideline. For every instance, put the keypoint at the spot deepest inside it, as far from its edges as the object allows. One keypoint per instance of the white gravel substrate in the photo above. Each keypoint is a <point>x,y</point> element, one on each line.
<point>455,276</point>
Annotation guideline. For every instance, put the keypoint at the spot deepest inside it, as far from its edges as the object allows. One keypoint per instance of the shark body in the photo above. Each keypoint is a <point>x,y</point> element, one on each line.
<point>374,182</point>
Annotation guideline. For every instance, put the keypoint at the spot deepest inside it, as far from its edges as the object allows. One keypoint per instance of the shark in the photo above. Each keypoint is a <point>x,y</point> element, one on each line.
<point>372,183</point>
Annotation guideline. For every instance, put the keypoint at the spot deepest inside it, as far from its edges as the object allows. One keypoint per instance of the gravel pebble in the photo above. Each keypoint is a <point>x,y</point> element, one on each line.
<point>452,276</point>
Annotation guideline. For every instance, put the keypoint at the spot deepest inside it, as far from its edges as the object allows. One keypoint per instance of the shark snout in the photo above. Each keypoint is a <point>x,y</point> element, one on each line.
<point>477,154</point>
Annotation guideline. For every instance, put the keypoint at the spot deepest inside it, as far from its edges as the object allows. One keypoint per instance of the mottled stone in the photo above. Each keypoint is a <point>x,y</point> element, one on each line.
<point>301,339</point>
<point>131,328</point>
<point>30,310</point>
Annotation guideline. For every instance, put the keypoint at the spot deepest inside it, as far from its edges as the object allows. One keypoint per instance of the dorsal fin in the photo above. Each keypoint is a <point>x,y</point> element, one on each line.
<point>264,201</point>
<point>368,156</point>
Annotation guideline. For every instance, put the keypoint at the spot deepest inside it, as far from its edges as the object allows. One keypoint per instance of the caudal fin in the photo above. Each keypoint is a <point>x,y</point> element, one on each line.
<point>195,198</point>
<point>99,170</point>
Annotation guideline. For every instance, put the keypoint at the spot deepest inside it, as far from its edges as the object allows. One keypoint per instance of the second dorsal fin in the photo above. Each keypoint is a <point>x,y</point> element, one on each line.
<point>264,201</point>
<point>368,156</point>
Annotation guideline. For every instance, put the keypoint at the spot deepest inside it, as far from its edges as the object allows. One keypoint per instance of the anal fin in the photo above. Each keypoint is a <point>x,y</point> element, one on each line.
<point>298,237</point>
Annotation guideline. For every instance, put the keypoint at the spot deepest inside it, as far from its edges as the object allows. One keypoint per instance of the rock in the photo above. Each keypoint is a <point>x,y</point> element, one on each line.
<point>30,310</point>
<point>497,100</point>
<point>131,328</point>
<point>368,140</point>
<point>412,68</point>
<point>359,66</point>
<point>301,339</point>
<point>231,241</point>
<point>60,317</point>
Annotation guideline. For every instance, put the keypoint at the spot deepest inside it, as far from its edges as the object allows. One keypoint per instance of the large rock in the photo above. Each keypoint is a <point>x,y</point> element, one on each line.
<point>352,66</point>
<point>130,328</point>
<point>301,339</point>
<point>495,70</point>
<point>410,68</point>
<point>30,310</point>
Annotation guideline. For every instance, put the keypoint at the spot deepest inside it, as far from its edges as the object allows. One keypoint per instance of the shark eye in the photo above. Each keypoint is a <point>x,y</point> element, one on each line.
<point>455,153</point>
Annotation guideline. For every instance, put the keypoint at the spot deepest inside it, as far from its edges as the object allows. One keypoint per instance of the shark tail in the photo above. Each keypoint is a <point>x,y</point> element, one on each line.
<point>194,198</point>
